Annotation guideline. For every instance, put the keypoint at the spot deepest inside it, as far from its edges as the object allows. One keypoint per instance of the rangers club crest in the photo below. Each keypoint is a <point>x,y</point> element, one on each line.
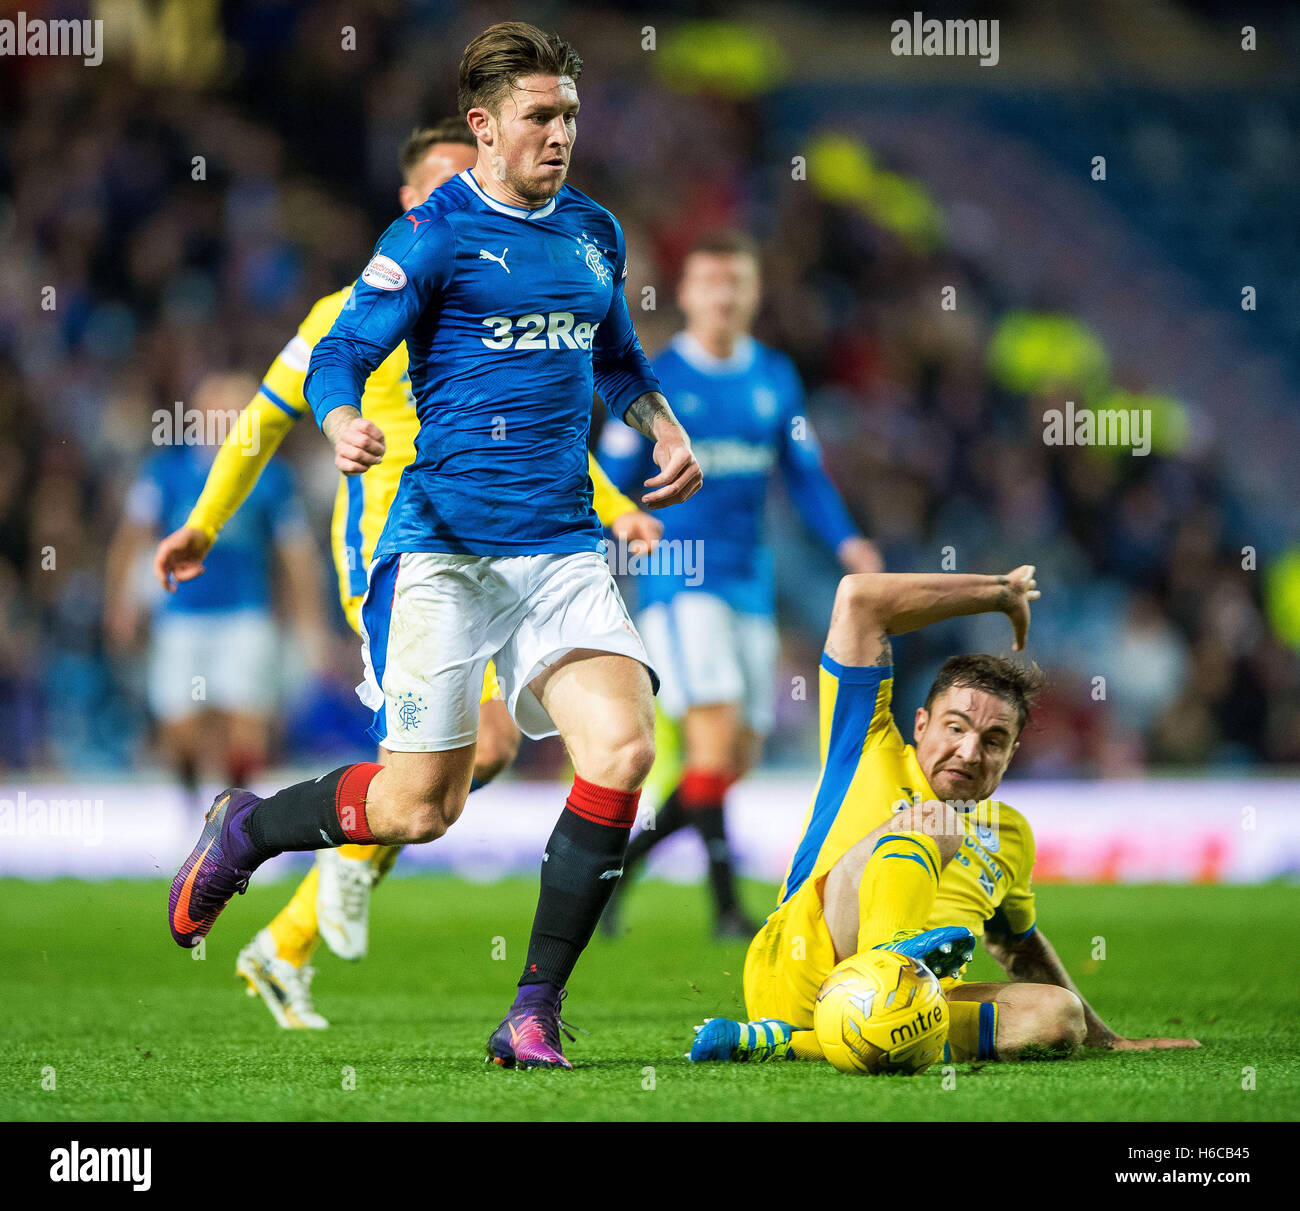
<point>410,710</point>
<point>595,262</point>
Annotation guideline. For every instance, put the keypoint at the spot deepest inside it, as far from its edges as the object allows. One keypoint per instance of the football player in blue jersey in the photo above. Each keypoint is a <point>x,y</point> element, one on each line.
<point>507,286</point>
<point>212,680</point>
<point>707,600</point>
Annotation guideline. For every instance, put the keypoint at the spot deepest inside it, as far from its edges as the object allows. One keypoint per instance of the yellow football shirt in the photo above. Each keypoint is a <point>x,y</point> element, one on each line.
<point>868,773</point>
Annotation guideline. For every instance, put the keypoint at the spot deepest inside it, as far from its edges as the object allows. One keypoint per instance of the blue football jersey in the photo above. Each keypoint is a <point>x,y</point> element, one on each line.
<point>237,571</point>
<point>746,418</point>
<point>511,318</point>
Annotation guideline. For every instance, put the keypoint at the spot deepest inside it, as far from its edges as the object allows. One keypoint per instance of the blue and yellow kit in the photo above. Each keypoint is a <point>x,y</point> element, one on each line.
<point>868,773</point>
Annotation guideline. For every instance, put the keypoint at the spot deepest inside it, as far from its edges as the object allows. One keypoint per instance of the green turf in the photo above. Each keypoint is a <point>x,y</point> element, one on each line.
<point>134,1028</point>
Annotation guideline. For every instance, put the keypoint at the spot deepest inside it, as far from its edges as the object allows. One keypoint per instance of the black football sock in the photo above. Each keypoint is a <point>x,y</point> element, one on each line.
<point>709,823</point>
<point>703,792</point>
<point>580,868</point>
<point>323,814</point>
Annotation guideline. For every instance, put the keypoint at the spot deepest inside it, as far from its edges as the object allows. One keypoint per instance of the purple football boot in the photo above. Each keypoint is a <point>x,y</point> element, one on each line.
<point>529,1035</point>
<point>219,865</point>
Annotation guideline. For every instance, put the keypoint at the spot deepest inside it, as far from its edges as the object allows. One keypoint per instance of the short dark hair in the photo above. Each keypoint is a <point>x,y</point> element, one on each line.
<point>725,242</point>
<point>449,130</point>
<point>1017,684</point>
<point>504,53</point>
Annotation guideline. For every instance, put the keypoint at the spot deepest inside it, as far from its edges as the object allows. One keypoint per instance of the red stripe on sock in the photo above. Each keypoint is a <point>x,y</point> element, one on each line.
<point>603,804</point>
<point>350,802</point>
<point>703,788</point>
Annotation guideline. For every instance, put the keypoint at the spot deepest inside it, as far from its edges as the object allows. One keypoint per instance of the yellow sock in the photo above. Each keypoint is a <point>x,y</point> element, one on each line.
<point>972,1031</point>
<point>294,929</point>
<point>897,888</point>
<point>804,1046</point>
<point>358,852</point>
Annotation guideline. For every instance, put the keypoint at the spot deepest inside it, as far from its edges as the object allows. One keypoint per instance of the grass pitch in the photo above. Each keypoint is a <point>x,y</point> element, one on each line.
<point>129,1027</point>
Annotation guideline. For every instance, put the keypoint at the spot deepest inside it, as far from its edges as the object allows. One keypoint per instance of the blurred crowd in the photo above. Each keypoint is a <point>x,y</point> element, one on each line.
<point>171,216</point>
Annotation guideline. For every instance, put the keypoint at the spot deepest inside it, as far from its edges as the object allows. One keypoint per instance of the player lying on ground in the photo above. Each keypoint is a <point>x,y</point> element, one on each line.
<point>903,846</point>
<point>710,627</point>
<point>506,286</point>
<point>333,900</point>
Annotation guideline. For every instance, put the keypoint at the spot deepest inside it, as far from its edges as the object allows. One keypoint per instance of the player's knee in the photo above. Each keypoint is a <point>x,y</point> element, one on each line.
<point>936,820</point>
<point>432,814</point>
<point>626,762</point>
<point>1059,1021</point>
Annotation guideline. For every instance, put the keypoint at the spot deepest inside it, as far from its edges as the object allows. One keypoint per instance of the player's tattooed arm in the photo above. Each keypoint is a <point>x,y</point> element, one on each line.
<point>644,411</point>
<point>1033,960</point>
<point>679,475</point>
<point>870,607</point>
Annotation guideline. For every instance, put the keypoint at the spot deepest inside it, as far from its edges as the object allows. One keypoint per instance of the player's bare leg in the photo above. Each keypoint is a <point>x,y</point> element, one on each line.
<point>603,707</point>
<point>1014,1021</point>
<point>416,797</point>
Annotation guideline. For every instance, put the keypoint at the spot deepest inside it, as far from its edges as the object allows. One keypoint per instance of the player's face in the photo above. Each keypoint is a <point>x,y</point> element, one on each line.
<point>719,292</point>
<point>965,742</point>
<point>441,162</point>
<point>533,134</point>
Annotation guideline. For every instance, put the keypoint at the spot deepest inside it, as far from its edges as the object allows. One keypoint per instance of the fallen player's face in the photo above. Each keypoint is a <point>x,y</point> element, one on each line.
<point>965,742</point>
<point>537,125</point>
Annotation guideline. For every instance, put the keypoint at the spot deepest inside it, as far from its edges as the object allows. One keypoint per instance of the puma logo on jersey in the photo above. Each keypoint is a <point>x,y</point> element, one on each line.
<point>485,255</point>
<point>415,223</point>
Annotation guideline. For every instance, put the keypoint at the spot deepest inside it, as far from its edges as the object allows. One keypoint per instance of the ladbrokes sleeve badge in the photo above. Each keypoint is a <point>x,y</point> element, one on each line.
<point>384,273</point>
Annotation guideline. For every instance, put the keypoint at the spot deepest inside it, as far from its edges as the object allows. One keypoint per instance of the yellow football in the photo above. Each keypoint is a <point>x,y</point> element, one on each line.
<point>879,1011</point>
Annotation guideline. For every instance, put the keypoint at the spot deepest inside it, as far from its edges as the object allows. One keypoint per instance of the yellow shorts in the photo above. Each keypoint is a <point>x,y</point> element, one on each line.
<point>491,688</point>
<point>790,958</point>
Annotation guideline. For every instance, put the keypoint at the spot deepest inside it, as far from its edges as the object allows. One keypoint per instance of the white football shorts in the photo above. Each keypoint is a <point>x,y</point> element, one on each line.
<point>220,660</point>
<point>431,622</point>
<point>708,653</point>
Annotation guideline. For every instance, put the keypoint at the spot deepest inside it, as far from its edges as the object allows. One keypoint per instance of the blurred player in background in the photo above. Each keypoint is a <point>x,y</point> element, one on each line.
<point>903,847</point>
<point>333,900</point>
<point>213,647</point>
<point>708,604</point>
